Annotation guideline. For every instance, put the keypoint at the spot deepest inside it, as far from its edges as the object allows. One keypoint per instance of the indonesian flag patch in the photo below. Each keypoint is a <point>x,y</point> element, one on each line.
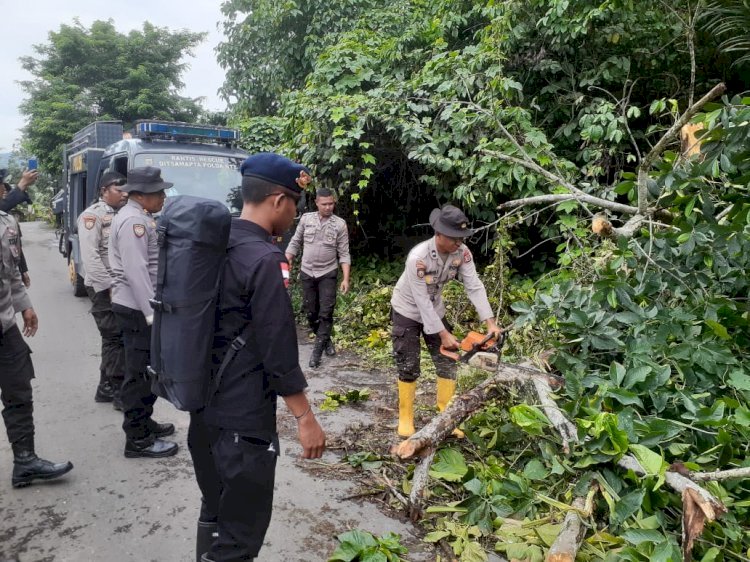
<point>285,273</point>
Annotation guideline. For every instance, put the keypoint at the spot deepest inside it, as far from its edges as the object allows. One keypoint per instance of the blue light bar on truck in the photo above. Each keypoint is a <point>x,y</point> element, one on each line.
<point>168,129</point>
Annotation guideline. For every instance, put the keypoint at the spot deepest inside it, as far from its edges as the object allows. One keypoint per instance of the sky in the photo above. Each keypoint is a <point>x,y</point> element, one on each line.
<point>27,23</point>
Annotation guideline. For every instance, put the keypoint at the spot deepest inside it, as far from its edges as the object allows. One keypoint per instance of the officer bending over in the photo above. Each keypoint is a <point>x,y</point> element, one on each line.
<point>133,258</point>
<point>16,369</point>
<point>233,441</point>
<point>417,308</point>
<point>94,226</point>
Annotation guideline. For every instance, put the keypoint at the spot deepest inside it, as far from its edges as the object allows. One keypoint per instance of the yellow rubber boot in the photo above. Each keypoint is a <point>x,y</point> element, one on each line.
<point>406,393</point>
<point>446,388</point>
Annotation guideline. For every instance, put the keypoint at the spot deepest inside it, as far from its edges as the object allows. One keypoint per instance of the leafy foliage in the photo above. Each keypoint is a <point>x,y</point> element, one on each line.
<point>362,546</point>
<point>83,74</point>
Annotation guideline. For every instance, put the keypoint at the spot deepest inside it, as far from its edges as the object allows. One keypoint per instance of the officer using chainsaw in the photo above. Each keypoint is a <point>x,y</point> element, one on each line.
<point>418,309</point>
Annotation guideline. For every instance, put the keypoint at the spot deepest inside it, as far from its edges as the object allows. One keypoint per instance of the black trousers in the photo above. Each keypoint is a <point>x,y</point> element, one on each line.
<point>319,300</point>
<point>112,367</point>
<point>406,349</point>
<point>235,474</point>
<point>16,372</point>
<point>137,398</point>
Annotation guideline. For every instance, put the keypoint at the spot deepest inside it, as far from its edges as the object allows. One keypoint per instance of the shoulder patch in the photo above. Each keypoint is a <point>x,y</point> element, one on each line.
<point>284,272</point>
<point>421,268</point>
<point>89,221</point>
<point>467,256</point>
<point>139,230</point>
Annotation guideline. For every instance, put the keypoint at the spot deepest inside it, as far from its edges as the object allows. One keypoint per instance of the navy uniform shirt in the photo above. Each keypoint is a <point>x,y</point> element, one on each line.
<point>253,291</point>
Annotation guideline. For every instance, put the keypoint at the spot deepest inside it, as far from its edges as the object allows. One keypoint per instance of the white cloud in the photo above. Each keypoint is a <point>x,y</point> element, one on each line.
<point>28,23</point>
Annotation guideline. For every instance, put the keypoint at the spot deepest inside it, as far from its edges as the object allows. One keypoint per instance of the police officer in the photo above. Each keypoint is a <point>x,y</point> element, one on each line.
<point>94,226</point>
<point>133,256</point>
<point>417,308</point>
<point>16,369</point>
<point>20,194</point>
<point>233,441</point>
<point>324,240</point>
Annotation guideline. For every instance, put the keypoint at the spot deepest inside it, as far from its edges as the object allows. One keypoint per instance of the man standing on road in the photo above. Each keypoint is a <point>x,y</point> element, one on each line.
<point>16,369</point>
<point>326,245</point>
<point>133,258</point>
<point>417,308</point>
<point>94,226</point>
<point>233,441</point>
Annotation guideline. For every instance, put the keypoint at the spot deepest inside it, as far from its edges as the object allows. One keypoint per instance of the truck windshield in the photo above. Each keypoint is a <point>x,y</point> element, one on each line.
<point>203,175</point>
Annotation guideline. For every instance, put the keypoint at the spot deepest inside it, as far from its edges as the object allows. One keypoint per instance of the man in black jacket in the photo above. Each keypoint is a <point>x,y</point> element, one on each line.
<point>19,194</point>
<point>233,441</point>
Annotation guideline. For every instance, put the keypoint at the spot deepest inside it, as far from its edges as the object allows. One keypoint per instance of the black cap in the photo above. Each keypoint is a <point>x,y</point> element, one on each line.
<point>110,178</point>
<point>278,170</point>
<point>450,221</point>
<point>145,180</point>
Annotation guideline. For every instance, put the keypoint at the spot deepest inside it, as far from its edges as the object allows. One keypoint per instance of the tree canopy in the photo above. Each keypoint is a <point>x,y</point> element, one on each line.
<point>84,74</point>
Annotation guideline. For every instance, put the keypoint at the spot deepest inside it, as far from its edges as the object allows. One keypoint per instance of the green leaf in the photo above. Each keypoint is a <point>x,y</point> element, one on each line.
<point>530,418</point>
<point>718,329</point>
<point>353,543</point>
<point>449,465</point>
<point>739,380</point>
<point>627,506</point>
<point>636,375</point>
<point>473,552</point>
<point>640,536</point>
<point>535,470</point>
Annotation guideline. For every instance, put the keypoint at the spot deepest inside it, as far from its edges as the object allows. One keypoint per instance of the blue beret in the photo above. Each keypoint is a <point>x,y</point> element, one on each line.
<point>276,169</point>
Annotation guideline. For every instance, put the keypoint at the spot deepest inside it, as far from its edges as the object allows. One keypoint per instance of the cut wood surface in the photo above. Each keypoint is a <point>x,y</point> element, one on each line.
<point>418,493</point>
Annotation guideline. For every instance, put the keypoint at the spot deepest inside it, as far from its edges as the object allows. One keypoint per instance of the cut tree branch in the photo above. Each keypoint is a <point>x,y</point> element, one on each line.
<point>568,541</point>
<point>562,197</point>
<point>419,481</point>
<point>718,475</point>
<point>671,133</point>
<point>466,404</point>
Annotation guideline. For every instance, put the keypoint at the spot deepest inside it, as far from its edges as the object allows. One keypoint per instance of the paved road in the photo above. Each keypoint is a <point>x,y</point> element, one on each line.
<point>117,510</point>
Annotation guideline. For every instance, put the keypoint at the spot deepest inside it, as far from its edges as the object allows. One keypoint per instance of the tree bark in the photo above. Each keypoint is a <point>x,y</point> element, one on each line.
<point>717,475</point>
<point>419,482</point>
<point>568,541</point>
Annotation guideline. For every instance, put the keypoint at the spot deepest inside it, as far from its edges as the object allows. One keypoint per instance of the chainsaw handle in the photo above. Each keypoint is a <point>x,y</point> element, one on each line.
<point>449,354</point>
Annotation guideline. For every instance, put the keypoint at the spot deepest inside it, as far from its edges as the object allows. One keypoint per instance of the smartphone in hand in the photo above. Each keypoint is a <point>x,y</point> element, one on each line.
<point>32,164</point>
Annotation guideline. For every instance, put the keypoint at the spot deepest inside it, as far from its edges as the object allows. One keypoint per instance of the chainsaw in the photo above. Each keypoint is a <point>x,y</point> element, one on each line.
<point>480,351</point>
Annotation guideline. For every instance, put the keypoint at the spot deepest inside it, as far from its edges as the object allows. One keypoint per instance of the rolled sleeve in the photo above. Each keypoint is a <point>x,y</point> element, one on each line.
<point>474,287</point>
<point>15,197</point>
<point>295,244</point>
<point>343,244</point>
<point>96,272</point>
<point>21,299</point>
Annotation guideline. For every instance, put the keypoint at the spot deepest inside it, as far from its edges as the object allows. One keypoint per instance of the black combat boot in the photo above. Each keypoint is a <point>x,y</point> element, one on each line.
<point>27,467</point>
<point>204,538</point>
<point>159,429</point>
<point>149,449</point>
<point>330,350</point>
<point>105,390</point>
<point>317,352</point>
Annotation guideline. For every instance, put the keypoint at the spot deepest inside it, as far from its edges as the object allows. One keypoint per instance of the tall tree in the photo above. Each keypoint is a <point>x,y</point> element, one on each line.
<point>83,74</point>
<point>271,46</point>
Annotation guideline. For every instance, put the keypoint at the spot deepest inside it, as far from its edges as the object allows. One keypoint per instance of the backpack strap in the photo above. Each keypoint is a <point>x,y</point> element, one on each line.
<point>235,347</point>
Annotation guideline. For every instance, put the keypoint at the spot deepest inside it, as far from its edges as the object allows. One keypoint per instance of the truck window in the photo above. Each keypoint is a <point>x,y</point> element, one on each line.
<point>121,165</point>
<point>213,176</point>
<point>103,167</point>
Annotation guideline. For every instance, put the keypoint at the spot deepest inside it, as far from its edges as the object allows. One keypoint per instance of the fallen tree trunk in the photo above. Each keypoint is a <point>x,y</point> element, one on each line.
<point>568,541</point>
<point>466,404</point>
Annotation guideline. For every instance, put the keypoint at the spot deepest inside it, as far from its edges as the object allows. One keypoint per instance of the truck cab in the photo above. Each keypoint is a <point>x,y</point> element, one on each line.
<point>199,160</point>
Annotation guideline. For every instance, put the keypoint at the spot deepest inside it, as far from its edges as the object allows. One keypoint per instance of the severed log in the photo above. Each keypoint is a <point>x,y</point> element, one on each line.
<point>568,541</point>
<point>466,404</point>
<point>567,429</point>
<point>419,481</point>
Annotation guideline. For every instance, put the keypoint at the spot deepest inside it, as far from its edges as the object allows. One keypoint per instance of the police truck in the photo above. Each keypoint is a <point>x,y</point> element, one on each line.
<point>199,160</point>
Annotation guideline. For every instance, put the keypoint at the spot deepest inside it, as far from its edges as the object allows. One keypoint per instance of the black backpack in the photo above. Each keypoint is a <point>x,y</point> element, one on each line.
<point>193,235</point>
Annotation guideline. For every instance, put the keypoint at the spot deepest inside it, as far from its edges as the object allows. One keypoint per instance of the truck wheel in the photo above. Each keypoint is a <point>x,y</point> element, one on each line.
<point>79,289</point>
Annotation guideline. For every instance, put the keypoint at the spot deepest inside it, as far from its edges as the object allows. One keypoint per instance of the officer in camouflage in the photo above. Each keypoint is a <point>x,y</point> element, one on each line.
<point>16,369</point>
<point>417,308</point>
<point>133,255</point>
<point>94,226</point>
